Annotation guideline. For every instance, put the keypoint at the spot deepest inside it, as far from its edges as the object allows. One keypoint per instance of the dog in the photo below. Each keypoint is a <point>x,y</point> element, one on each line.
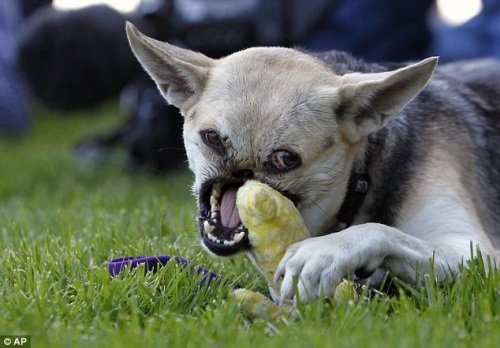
<point>393,167</point>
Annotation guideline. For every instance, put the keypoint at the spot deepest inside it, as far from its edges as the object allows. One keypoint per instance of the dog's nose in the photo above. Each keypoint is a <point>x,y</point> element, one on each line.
<point>244,174</point>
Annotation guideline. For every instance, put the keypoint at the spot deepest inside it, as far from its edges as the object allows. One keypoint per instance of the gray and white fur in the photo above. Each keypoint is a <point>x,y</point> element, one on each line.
<point>303,123</point>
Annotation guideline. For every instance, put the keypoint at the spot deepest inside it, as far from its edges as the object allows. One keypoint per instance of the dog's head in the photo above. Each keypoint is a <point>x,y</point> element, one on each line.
<point>276,115</point>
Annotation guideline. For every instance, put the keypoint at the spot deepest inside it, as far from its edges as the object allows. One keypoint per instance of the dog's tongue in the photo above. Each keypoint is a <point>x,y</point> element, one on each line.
<point>228,210</point>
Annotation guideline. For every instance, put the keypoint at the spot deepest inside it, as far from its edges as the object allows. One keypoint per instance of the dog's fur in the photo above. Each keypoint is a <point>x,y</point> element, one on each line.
<point>426,139</point>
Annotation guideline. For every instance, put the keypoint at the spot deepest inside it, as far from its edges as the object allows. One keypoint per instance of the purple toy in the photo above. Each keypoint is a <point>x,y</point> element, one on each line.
<point>152,263</point>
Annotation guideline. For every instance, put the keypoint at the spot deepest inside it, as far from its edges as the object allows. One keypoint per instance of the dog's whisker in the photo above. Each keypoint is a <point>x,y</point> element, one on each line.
<point>319,206</point>
<point>170,148</point>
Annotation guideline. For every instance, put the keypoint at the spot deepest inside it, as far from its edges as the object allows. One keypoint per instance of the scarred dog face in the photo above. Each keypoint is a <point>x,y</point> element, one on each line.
<point>275,115</point>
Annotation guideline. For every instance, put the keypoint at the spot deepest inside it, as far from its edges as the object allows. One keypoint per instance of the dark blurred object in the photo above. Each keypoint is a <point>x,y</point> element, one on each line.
<point>30,6</point>
<point>76,59</point>
<point>376,30</point>
<point>13,109</point>
<point>151,134</point>
<point>220,27</point>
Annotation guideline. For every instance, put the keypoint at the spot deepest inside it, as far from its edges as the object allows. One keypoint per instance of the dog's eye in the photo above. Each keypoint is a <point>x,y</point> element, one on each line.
<point>283,160</point>
<point>213,140</point>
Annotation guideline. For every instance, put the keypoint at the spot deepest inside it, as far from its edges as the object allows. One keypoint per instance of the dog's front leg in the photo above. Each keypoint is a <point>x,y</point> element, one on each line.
<point>320,263</point>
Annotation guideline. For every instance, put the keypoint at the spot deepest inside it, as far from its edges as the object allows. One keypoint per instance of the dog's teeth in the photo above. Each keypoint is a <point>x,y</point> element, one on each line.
<point>229,242</point>
<point>216,190</point>
<point>238,237</point>
<point>208,227</point>
<point>214,215</point>
<point>215,207</point>
<point>213,201</point>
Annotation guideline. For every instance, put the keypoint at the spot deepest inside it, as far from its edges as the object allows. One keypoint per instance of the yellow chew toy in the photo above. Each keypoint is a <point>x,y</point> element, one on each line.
<point>274,223</point>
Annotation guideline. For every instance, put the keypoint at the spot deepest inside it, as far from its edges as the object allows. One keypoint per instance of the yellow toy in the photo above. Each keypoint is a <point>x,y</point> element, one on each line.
<point>274,223</point>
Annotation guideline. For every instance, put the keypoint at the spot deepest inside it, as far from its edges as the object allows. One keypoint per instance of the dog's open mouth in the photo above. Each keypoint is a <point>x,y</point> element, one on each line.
<point>221,228</point>
<point>220,225</point>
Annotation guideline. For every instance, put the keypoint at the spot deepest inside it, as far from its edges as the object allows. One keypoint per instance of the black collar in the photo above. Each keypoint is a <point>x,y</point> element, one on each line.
<point>359,184</point>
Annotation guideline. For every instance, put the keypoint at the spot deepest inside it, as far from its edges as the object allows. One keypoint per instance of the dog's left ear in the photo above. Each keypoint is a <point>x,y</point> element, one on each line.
<point>368,100</point>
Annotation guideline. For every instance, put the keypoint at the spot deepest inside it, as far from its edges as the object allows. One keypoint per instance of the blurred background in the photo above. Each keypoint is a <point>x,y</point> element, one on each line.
<point>68,57</point>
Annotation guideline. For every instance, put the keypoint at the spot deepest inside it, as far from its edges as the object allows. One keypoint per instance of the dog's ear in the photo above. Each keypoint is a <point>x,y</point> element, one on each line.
<point>368,100</point>
<point>180,74</point>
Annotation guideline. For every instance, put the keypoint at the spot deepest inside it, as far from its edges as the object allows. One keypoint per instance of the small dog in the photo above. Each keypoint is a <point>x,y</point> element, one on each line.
<point>392,167</point>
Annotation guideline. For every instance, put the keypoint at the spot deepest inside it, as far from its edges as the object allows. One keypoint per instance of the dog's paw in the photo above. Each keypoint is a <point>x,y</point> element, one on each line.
<point>317,265</point>
<point>312,266</point>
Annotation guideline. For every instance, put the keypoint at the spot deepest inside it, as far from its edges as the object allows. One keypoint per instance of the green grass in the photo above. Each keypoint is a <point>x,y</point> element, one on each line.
<point>61,220</point>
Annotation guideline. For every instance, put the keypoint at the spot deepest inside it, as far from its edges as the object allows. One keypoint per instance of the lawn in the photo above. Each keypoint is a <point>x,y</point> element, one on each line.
<point>62,219</point>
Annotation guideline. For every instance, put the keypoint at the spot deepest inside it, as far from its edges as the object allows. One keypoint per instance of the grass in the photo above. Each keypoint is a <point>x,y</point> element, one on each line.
<point>61,220</point>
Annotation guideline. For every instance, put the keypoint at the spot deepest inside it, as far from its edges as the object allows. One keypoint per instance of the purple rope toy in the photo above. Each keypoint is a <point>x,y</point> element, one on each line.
<point>152,263</point>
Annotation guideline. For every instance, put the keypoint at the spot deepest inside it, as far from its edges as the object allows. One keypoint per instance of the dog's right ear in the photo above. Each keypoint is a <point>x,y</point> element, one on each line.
<point>180,74</point>
<point>369,100</point>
